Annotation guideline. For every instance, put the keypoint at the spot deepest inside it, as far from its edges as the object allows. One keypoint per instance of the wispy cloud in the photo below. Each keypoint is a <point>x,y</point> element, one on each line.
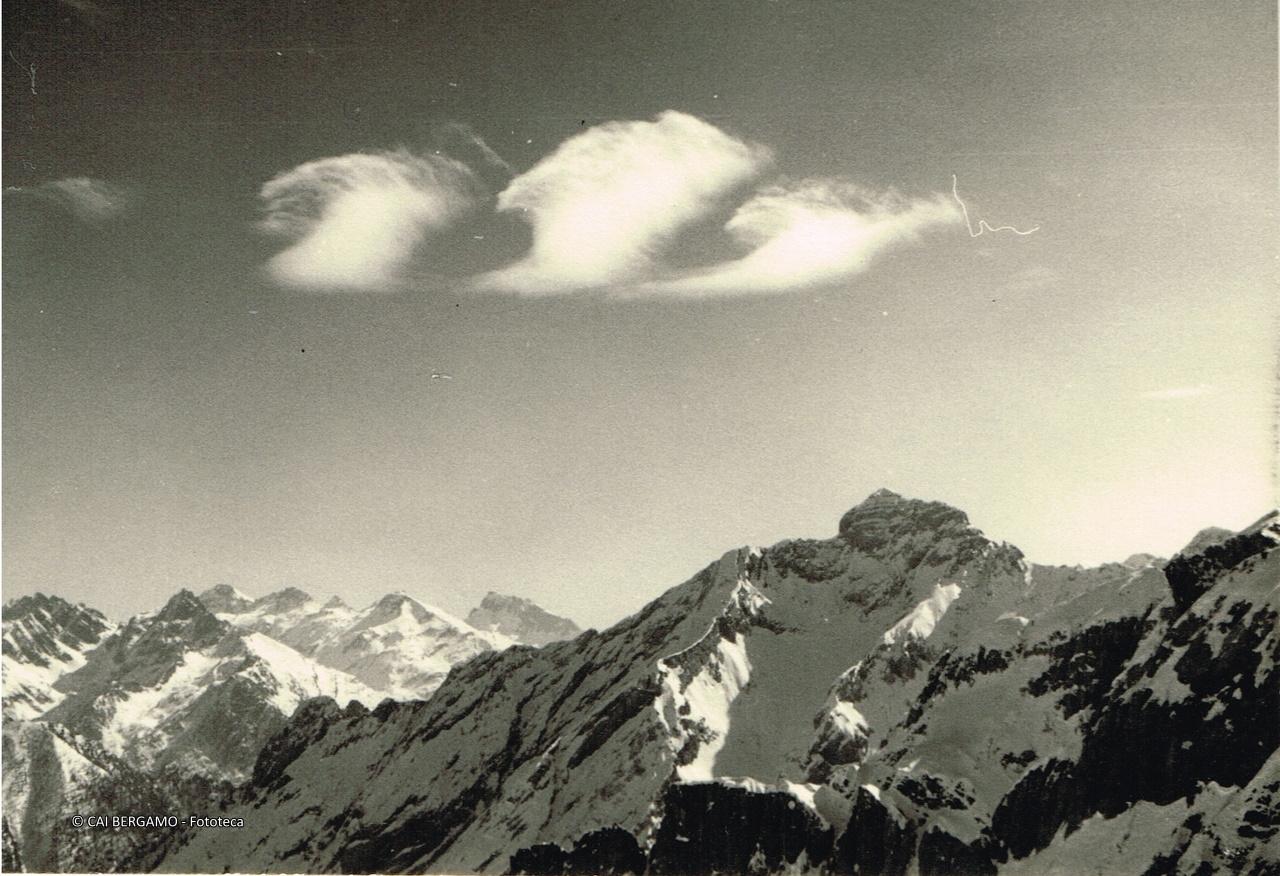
<point>464,134</point>
<point>807,233</point>
<point>1174,393</point>
<point>357,220</point>
<point>605,209</point>
<point>607,200</point>
<point>88,199</point>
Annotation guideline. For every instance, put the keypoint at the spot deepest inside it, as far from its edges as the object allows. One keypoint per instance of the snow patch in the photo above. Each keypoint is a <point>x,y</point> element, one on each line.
<point>700,707</point>
<point>805,792</point>
<point>921,620</point>
<point>139,720</point>
<point>706,701</point>
<point>848,720</point>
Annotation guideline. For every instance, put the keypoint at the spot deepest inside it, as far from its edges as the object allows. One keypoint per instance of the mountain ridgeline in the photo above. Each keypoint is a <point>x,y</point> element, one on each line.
<point>907,696</point>
<point>159,713</point>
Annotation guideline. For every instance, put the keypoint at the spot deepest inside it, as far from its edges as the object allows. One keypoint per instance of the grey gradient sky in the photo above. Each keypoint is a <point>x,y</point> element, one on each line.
<point>181,411</point>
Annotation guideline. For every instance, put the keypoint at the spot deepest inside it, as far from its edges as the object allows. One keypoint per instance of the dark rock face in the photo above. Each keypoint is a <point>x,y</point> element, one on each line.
<point>604,852</point>
<point>45,637</point>
<point>39,626</point>
<point>887,519</point>
<point>308,724</point>
<point>1190,575</point>
<point>11,858</point>
<point>875,840</point>
<point>1084,666</point>
<point>1222,650</point>
<point>705,828</point>
<point>713,827</point>
<point>941,854</point>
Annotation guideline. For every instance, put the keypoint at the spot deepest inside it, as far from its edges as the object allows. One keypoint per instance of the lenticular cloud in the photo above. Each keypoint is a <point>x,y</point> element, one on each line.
<point>807,233</point>
<point>356,220</point>
<point>604,203</point>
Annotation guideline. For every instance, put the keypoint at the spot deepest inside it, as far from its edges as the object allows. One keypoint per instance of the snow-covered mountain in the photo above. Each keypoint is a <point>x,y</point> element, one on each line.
<point>181,687</point>
<point>45,637</point>
<point>397,645</point>
<point>185,698</point>
<point>520,620</point>
<point>907,696</point>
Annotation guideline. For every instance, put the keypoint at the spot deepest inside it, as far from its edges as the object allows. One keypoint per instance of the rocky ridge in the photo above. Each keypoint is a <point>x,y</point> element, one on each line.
<point>908,696</point>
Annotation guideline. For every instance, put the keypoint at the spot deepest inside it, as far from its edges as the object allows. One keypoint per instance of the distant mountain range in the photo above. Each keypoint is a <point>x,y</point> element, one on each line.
<point>907,696</point>
<point>196,689</point>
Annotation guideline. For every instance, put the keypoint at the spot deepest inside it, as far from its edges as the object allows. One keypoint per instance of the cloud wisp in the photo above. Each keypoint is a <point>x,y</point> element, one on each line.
<point>466,135</point>
<point>604,210</point>
<point>90,200</point>
<point>355,221</point>
<point>808,233</point>
<point>606,201</point>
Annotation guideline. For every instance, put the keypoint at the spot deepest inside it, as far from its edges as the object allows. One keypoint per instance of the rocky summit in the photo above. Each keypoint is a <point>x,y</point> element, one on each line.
<point>907,696</point>
<point>520,619</point>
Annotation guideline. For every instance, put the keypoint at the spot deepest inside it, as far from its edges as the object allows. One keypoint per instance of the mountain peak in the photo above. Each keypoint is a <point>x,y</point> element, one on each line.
<point>397,598</point>
<point>520,619</point>
<point>25,605</point>
<point>47,634</point>
<point>1205,539</point>
<point>494,599</point>
<point>182,606</point>
<point>225,599</point>
<point>394,603</point>
<point>281,600</point>
<point>886,516</point>
<point>1141,561</point>
<point>1267,523</point>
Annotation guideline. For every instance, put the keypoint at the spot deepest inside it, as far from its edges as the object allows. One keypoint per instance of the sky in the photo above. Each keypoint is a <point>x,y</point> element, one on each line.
<point>566,300</point>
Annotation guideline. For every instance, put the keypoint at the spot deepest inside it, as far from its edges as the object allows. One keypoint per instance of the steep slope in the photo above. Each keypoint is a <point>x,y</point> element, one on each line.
<point>1110,718</point>
<point>835,601</point>
<point>712,685</point>
<point>397,645</point>
<point>907,697</point>
<point>180,687</point>
<point>520,620</point>
<point>51,775</point>
<point>517,746</point>
<point>45,638</point>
